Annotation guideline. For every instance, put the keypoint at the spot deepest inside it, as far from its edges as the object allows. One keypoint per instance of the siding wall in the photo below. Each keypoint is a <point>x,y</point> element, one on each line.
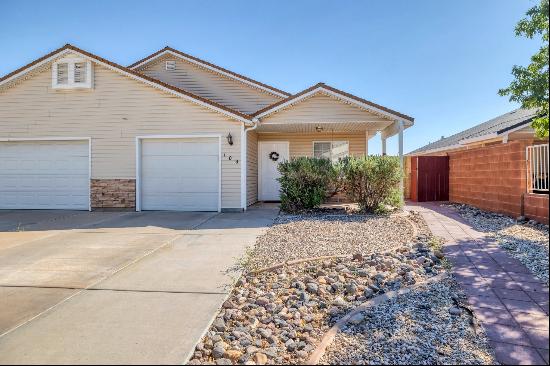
<point>116,111</point>
<point>321,108</point>
<point>302,144</point>
<point>208,84</point>
<point>252,169</point>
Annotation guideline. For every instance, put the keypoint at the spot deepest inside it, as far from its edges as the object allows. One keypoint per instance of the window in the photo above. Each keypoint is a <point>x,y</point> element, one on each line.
<point>170,65</point>
<point>330,150</point>
<point>72,73</point>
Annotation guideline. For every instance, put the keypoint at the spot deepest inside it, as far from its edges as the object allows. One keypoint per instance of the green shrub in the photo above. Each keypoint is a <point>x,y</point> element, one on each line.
<point>372,181</point>
<point>305,182</point>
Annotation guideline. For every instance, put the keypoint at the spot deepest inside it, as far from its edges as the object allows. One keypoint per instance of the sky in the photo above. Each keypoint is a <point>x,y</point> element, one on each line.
<point>441,62</point>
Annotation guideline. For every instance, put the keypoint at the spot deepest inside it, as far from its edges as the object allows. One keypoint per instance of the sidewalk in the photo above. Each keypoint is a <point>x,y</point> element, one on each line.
<point>508,300</point>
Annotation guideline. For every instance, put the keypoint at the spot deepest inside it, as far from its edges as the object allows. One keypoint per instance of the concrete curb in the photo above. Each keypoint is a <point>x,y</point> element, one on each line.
<point>329,336</point>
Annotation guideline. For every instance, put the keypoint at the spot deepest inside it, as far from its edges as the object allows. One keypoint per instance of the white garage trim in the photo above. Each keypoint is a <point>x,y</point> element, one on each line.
<point>138,162</point>
<point>89,139</point>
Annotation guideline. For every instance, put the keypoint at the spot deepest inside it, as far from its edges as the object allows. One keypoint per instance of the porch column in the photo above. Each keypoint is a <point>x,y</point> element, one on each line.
<point>366,143</point>
<point>383,144</point>
<point>401,159</point>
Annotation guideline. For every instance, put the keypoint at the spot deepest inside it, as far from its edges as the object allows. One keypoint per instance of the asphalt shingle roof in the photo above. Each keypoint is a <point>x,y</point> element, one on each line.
<point>496,125</point>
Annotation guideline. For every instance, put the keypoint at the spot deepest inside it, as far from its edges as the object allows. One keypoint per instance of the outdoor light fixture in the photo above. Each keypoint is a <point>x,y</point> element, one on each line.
<point>318,128</point>
<point>229,139</point>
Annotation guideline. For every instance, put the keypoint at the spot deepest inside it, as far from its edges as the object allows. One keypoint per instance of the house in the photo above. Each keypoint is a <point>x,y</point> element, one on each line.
<point>499,165</point>
<point>169,132</point>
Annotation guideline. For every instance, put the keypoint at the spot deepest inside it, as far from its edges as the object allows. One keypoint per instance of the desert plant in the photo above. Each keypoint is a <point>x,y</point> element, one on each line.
<point>305,182</point>
<point>372,181</point>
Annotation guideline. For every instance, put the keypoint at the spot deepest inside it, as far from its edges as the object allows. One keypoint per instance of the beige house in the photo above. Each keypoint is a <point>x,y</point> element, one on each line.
<point>170,132</point>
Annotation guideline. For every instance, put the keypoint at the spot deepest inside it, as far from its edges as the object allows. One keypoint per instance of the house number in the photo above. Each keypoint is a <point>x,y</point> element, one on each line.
<point>230,158</point>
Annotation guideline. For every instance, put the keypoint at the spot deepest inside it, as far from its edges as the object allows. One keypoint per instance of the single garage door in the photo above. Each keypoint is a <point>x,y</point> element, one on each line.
<point>44,175</point>
<point>180,174</point>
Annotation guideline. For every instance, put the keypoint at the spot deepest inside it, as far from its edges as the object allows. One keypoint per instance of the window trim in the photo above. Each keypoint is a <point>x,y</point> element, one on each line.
<point>71,84</point>
<point>331,142</point>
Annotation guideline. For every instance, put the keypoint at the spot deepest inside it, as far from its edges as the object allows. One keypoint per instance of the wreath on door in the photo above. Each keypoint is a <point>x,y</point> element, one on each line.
<point>274,155</point>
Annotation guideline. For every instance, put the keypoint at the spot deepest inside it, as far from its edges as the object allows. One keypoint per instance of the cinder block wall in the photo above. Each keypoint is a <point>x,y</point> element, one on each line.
<point>536,207</point>
<point>492,178</point>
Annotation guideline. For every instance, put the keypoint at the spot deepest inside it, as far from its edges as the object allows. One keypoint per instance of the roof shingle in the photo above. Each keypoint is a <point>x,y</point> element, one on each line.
<point>496,125</point>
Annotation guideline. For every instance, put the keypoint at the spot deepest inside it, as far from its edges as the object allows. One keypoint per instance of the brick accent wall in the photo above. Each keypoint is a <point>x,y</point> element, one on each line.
<point>492,178</point>
<point>113,193</point>
<point>536,207</point>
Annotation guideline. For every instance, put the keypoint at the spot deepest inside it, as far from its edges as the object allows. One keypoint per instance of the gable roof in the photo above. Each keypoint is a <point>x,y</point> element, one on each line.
<point>486,130</point>
<point>132,74</point>
<point>233,75</point>
<point>322,87</point>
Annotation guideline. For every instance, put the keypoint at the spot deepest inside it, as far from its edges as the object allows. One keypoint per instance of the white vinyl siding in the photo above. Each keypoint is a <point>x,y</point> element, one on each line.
<point>211,85</point>
<point>322,108</point>
<point>44,175</point>
<point>302,144</point>
<point>252,169</point>
<point>113,114</point>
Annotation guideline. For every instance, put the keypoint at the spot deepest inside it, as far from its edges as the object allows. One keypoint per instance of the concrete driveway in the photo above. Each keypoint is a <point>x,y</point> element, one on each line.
<point>106,287</point>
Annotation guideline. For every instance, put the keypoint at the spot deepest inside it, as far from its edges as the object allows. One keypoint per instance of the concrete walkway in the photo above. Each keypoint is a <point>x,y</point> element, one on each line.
<point>509,301</point>
<point>133,288</point>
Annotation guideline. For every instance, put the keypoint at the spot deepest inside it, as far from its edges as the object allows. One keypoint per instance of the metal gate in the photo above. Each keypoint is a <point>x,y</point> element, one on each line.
<point>429,178</point>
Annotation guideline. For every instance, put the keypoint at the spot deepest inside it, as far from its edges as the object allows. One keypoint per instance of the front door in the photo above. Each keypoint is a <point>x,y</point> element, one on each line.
<point>270,155</point>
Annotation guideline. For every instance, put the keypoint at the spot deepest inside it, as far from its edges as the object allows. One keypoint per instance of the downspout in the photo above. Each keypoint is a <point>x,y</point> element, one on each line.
<point>244,160</point>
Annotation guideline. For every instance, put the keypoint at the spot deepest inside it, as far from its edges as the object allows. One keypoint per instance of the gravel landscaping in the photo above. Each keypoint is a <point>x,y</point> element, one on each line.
<point>279,316</point>
<point>525,241</point>
<point>422,327</point>
<point>329,233</point>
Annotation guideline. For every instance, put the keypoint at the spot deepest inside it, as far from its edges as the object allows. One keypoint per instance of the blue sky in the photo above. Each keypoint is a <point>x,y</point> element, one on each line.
<point>441,62</point>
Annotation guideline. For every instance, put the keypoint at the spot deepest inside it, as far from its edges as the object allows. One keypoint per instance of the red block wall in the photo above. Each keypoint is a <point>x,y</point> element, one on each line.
<point>536,207</point>
<point>492,178</point>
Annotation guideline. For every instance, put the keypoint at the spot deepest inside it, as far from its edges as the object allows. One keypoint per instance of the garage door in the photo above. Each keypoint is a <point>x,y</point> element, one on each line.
<point>44,175</point>
<point>180,174</point>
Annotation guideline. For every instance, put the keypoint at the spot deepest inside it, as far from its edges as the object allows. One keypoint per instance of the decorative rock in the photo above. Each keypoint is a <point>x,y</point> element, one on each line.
<point>312,287</point>
<point>233,355</point>
<point>218,352</point>
<point>223,361</point>
<point>260,358</point>
<point>455,311</point>
<point>338,301</point>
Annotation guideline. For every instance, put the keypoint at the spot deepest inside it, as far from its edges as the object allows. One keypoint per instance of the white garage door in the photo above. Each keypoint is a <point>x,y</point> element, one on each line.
<point>44,175</point>
<point>180,174</point>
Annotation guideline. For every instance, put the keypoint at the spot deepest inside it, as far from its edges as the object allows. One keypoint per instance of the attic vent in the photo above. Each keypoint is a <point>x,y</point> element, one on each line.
<point>80,72</point>
<point>170,65</point>
<point>62,73</point>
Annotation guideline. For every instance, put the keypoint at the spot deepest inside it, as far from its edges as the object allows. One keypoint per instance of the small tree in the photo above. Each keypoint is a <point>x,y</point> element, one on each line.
<point>372,181</point>
<point>530,86</point>
<point>305,182</point>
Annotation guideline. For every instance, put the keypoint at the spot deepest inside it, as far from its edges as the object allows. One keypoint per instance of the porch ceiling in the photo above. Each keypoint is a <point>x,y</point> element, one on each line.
<point>309,127</point>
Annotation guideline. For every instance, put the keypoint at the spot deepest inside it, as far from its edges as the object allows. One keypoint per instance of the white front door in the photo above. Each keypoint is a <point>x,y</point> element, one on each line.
<point>268,174</point>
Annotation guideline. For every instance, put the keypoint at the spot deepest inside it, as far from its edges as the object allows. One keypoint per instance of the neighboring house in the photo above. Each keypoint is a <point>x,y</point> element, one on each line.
<point>170,132</point>
<point>499,165</point>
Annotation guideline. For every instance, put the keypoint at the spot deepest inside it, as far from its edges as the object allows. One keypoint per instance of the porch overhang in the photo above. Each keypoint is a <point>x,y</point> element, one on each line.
<point>322,108</point>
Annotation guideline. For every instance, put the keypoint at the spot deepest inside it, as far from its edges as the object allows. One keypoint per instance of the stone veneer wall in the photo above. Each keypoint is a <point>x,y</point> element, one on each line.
<point>113,193</point>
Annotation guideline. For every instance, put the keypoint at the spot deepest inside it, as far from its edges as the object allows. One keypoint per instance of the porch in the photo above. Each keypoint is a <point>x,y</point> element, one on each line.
<point>319,122</point>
